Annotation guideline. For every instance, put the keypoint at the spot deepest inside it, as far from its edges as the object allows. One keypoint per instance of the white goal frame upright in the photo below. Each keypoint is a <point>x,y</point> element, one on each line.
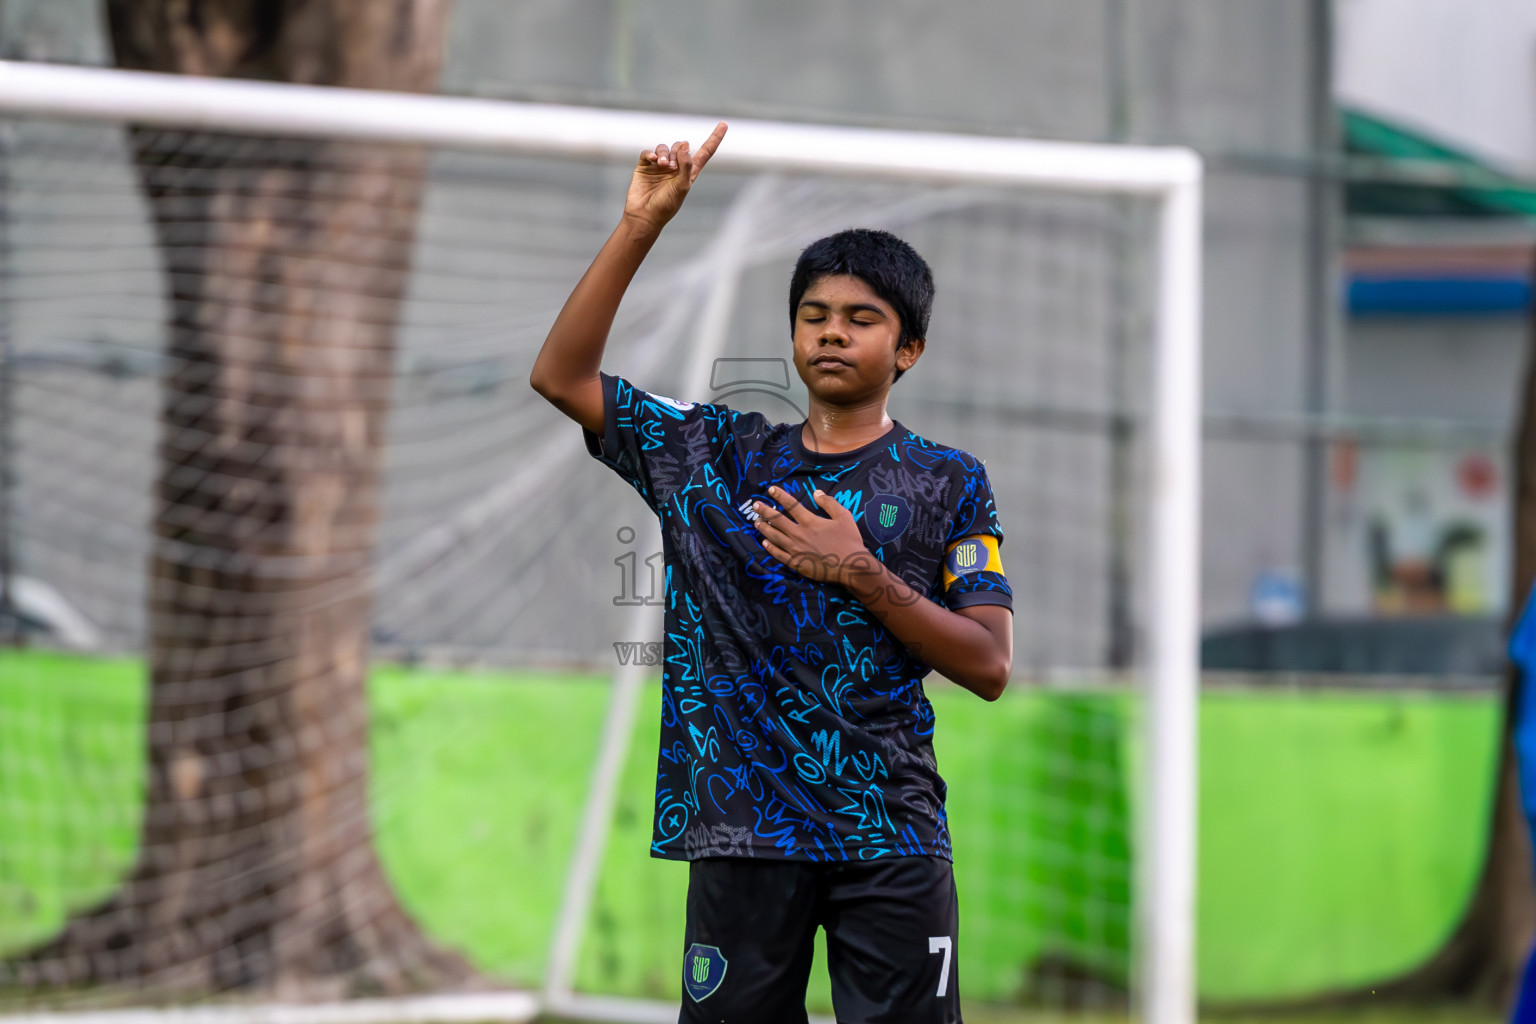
<point>1168,176</point>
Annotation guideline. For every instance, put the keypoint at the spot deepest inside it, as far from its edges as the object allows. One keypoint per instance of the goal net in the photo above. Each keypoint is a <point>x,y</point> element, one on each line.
<point>333,669</point>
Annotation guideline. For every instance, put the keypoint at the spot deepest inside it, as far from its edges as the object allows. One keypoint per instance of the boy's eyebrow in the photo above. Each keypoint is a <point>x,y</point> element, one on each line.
<point>852,307</point>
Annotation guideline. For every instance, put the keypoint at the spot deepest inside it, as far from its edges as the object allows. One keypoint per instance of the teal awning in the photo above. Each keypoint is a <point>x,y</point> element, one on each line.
<point>1454,184</point>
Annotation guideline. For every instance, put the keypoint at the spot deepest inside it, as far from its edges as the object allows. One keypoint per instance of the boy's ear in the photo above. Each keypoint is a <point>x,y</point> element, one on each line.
<point>909,353</point>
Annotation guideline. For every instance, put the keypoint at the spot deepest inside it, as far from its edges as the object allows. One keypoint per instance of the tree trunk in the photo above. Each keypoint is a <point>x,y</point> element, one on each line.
<point>286,262</point>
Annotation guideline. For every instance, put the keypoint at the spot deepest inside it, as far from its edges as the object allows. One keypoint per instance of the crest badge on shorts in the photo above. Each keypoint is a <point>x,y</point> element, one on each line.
<point>703,971</point>
<point>887,516</point>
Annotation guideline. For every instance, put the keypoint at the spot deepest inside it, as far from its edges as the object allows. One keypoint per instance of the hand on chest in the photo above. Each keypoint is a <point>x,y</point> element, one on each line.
<point>902,515</point>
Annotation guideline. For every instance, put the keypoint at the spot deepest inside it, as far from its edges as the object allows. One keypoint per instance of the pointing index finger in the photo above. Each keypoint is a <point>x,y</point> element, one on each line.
<point>707,147</point>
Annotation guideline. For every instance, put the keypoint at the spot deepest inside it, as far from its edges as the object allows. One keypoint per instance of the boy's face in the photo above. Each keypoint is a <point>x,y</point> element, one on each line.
<point>845,341</point>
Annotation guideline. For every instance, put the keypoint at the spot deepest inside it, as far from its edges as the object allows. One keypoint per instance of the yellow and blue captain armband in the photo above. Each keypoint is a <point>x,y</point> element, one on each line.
<point>969,556</point>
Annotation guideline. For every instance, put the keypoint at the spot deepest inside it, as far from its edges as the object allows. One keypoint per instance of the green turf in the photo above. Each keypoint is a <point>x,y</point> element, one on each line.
<point>1339,834</point>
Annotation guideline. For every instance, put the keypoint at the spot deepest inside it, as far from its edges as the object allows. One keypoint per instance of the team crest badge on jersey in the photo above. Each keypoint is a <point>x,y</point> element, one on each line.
<point>887,516</point>
<point>703,971</point>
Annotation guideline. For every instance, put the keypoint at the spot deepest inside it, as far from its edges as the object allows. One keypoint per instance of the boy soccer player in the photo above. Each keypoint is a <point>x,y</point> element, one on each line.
<point>815,572</point>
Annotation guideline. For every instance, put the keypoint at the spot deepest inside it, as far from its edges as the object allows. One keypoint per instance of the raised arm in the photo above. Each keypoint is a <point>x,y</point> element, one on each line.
<point>565,372</point>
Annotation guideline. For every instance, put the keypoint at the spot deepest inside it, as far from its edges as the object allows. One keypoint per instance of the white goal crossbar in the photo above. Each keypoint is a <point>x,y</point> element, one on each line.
<point>1169,176</point>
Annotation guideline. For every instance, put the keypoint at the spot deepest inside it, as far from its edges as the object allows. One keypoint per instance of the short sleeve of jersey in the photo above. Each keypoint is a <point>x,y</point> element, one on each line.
<point>973,566</point>
<point>652,441</point>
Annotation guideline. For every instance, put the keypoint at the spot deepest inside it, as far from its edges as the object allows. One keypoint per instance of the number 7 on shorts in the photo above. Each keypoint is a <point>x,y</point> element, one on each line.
<point>941,944</point>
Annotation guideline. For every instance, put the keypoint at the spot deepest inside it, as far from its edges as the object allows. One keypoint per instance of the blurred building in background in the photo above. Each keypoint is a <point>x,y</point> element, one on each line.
<point>1354,461</point>
<point>1438,289</point>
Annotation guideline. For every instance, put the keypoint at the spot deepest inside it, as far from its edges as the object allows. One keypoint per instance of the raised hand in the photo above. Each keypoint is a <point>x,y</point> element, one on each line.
<point>663,177</point>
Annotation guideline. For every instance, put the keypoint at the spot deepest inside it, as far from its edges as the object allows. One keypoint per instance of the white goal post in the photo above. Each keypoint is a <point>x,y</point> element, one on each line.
<point>1168,176</point>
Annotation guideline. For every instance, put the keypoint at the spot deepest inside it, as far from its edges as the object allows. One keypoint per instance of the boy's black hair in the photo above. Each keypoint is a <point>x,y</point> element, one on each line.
<point>890,267</point>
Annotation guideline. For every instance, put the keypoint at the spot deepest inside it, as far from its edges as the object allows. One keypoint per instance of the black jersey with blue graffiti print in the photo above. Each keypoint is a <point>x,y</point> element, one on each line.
<point>794,726</point>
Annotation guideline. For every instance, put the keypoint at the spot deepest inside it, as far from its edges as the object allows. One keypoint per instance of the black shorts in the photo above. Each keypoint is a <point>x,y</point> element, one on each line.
<point>892,940</point>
